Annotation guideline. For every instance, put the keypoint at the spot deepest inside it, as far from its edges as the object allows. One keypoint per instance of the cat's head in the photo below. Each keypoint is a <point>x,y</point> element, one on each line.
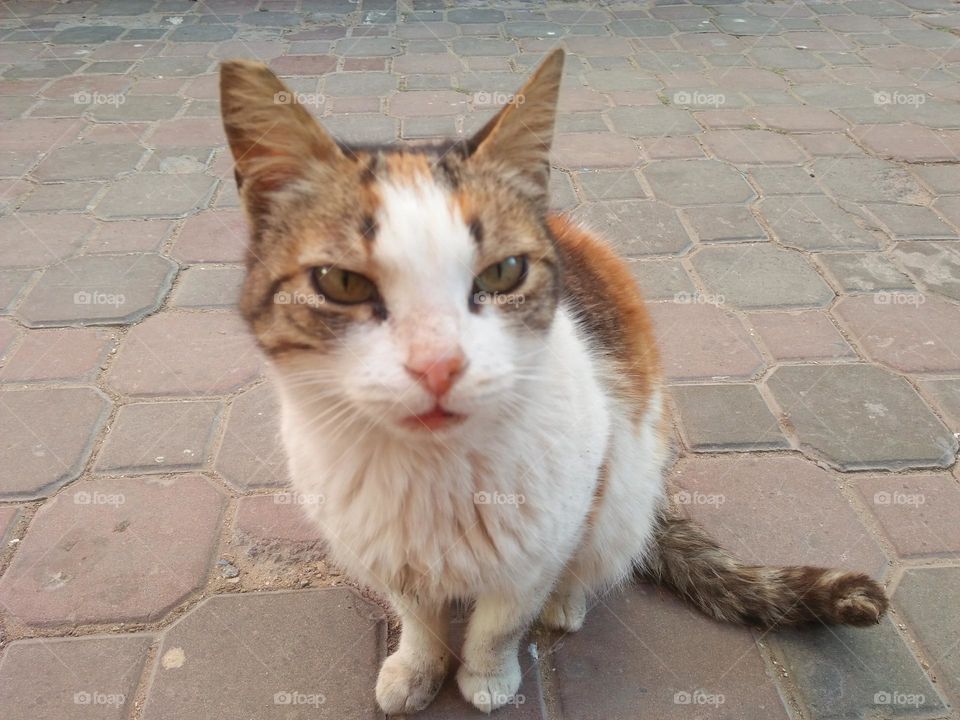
<point>411,286</point>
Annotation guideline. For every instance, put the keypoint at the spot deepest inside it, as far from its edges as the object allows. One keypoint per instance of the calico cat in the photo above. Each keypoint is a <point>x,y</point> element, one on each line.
<point>471,384</point>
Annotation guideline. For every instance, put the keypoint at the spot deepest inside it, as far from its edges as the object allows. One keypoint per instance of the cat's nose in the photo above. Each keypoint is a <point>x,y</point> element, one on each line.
<point>437,373</point>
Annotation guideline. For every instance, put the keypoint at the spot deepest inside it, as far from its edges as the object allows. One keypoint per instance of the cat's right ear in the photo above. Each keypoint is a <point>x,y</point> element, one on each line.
<point>272,137</point>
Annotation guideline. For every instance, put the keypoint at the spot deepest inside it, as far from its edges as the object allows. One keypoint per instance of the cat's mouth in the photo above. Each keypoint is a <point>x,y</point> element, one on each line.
<point>436,419</point>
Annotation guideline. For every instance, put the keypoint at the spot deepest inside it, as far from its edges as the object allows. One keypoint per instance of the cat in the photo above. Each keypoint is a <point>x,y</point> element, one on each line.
<point>471,384</point>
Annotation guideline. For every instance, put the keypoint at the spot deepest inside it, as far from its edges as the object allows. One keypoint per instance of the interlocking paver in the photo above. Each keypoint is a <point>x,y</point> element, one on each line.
<point>637,227</point>
<point>159,437</point>
<point>752,147</point>
<point>98,290</point>
<point>72,679</point>
<point>909,332</point>
<point>726,417</point>
<point>857,272</point>
<point>912,222</point>
<point>114,550</point>
<point>325,669</point>
<point>761,276</point>
<point>724,223</point>
<point>156,195</point>
<point>868,179</point>
<point>61,354</point>
<point>697,182</point>
<point>48,435</point>
<point>674,676</point>
<point>815,222</point>
<point>946,398</point>
<point>595,150</point>
<point>861,417</point>
<point>251,454</point>
<point>36,240</point>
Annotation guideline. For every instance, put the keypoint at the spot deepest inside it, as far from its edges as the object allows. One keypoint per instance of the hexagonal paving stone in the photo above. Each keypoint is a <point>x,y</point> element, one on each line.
<point>99,290</point>
<point>48,436</point>
<point>747,500</point>
<point>252,454</point>
<point>919,513</point>
<point>595,150</point>
<point>622,666</point>
<point>661,279</point>
<point>761,276</point>
<point>861,417</point>
<point>869,179</point>
<point>159,437</point>
<point>37,240</point>
<point>699,341</point>
<point>907,331</point>
<point>63,354</point>
<point>726,417</point>
<point>752,147</point>
<point>212,236</point>
<point>185,354</point>
<point>857,272</point>
<point>653,121</point>
<point>697,182</point>
<point>805,335</point>
<point>276,517</point>
<point>636,227</point>
<point>935,264</point>
<point>724,223</point>
<point>920,596</point>
<point>846,673</point>
<point>90,161</point>
<point>8,521</point>
<point>815,222</point>
<point>296,655</point>
<point>73,678</point>
<point>156,195</point>
<point>113,550</point>
<point>209,286</point>
<point>912,222</point>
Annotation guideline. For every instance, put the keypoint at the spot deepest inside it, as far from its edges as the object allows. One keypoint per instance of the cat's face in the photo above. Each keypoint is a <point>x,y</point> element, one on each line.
<point>412,288</point>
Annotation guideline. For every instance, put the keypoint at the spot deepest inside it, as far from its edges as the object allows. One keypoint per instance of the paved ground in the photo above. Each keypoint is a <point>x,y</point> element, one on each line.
<point>782,177</point>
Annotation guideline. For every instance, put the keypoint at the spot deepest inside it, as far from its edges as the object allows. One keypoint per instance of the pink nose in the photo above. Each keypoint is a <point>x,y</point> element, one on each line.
<point>437,373</point>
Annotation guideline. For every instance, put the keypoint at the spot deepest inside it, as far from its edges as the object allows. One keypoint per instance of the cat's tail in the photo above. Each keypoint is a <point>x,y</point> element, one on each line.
<point>686,560</point>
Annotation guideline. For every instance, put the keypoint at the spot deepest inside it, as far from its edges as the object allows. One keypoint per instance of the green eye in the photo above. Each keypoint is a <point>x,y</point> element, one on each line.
<point>504,276</point>
<point>343,286</point>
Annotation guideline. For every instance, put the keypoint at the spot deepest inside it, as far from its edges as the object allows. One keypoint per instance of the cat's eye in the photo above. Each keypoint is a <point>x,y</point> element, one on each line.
<point>504,276</point>
<point>343,286</point>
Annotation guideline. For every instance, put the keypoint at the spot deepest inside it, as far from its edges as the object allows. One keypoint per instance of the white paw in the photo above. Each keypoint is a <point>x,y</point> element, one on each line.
<point>565,612</point>
<point>404,686</point>
<point>489,691</point>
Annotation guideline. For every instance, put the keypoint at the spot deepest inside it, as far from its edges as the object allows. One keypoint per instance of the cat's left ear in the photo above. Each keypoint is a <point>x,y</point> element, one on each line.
<point>519,137</point>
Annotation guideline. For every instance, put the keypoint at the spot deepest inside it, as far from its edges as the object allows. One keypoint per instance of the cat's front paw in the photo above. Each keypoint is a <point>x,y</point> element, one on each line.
<point>564,611</point>
<point>487,692</point>
<point>406,686</point>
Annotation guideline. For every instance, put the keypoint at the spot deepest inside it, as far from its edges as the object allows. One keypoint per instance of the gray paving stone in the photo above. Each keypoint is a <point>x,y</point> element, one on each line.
<point>139,108</point>
<point>912,222</point>
<point>475,15</point>
<point>661,279</point>
<point>861,272</point>
<point>48,436</point>
<point>724,223</point>
<point>251,454</point>
<point>761,276</point>
<point>43,69</point>
<point>98,290</point>
<point>185,66</point>
<point>636,227</point>
<point>785,181</point>
<point>362,128</point>
<point>12,283</point>
<point>159,437</point>
<point>935,264</point>
<point>642,28</point>
<point>61,197</point>
<point>697,182</point>
<point>561,192</point>
<point>114,550</point>
<point>369,47</point>
<point>316,669</point>
<point>156,195</point>
<point>613,80</point>
<point>89,161</point>
<point>849,673</point>
<point>726,418</point>
<point>740,26</point>
<point>72,678</point>
<point>609,185</point>
<point>868,180</point>
<point>652,121</point>
<point>785,58</point>
<point>860,417</point>
<point>355,84</point>
<point>209,286</point>
<point>37,240</point>
<point>944,179</point>
<point>87,35</point>
<point>201,33</point>
<point>815,222</point>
